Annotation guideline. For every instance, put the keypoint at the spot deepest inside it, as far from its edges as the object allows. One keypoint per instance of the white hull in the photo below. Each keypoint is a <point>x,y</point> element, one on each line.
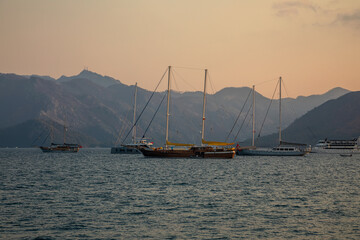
<point>270,152</point>
<point>124,150</point>
<point>334,151</point>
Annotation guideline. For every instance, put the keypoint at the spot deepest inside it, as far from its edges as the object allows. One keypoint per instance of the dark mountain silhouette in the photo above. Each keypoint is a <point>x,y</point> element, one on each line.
<point>99,109</point>
<point>335,119</point>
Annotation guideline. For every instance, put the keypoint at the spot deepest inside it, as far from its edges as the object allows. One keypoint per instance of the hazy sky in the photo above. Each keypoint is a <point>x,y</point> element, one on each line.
<point>313,45</point>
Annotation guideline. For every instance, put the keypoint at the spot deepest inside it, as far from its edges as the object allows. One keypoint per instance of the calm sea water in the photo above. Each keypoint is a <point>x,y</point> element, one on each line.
<point>97,195</point>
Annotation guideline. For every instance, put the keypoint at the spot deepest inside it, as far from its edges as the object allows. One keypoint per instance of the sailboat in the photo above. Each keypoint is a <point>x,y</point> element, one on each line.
<point>132,148</point>
<point>206,150</point>
<point>283,149</point>
<point>64,147</point>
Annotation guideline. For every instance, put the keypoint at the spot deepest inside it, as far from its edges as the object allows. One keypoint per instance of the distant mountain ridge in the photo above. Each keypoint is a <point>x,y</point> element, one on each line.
<point>335,119</point>
<point>96,78</point>
<point>98,108</point>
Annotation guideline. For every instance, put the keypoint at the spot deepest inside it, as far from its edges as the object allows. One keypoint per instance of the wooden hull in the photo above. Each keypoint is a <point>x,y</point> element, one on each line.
<point>188,153</point>
<point>60,149</point>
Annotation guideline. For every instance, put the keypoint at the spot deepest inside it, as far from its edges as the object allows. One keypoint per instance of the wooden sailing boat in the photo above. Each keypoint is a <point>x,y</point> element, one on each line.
<point>64,147</point>
<point>283,149</point>
<point>132,148</point>
<point>206,150</point>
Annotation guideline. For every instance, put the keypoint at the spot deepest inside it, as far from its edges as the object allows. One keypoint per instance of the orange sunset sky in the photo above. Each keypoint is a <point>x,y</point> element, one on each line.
<point>313,45</point>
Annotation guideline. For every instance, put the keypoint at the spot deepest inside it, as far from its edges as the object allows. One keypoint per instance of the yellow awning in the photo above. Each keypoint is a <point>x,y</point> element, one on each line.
<point>179,144</point>
<point>216,143</point>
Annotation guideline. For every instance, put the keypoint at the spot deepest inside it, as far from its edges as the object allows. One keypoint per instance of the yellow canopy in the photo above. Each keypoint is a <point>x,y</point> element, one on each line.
<point>179,144</point>
<point>216,143</point>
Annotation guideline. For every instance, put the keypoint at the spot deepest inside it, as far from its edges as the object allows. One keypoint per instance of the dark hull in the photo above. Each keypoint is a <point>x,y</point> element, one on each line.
<point>60,149</point>
<point>187,153</point>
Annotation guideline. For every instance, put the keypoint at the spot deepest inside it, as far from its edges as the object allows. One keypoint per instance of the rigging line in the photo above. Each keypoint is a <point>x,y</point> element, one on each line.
<point>45,139</point>
<point>123,128</point>
<point>184,80</point>
<point>176,86</point>
<point>238,116</point>
<point>38,137</point>
<point>191,68</point>
<point>145,106</point>
<point>242,124</point>
<point>154,115</point>
<point>291,109</point>
<point>211,85</point>
<point>267,111</point>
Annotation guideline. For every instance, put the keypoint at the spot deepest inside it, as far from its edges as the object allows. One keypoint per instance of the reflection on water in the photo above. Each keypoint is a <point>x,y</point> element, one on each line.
<point>97,195</point>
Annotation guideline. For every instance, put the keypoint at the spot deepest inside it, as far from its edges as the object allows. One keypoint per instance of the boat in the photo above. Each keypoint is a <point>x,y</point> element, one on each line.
<point>338,146</point>
<point>65,147</point>
<point>132,148</point>
<point>346,155</point>
<point>61,147</point>
<point>192,152</point>
<point>283,149</point>
<point>208,149</point>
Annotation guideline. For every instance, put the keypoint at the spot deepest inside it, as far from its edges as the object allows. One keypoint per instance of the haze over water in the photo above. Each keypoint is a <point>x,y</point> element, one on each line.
<point>97,195</point>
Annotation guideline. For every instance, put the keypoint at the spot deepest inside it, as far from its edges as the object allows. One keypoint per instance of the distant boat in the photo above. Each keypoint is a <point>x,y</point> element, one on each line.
<point>65,147</point>
<point>283,149</point>
<point>61,148</point>
<point>207,150</point>
<point>346,155</point>
<point>132,148</point>
<point>338,146</point>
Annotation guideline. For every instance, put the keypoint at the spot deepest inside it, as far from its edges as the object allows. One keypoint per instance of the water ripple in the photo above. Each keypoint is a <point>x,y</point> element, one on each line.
<point>97,195</point>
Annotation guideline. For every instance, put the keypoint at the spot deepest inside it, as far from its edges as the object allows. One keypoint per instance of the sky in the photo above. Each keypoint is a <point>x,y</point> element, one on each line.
<point>313,45</point>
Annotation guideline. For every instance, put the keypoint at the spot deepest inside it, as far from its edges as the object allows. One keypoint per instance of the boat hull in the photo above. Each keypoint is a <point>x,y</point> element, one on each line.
<point>59,149</point>
<point>124,150</point>
<point>269,152</point>
<point>335,151</point>
<point>187,153</point>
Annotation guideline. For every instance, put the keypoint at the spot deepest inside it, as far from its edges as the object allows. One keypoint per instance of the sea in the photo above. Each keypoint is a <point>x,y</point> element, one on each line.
<point>93,194</point>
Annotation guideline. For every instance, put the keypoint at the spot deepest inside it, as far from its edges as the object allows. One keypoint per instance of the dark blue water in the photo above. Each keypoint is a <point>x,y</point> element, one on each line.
<point>96,195</point>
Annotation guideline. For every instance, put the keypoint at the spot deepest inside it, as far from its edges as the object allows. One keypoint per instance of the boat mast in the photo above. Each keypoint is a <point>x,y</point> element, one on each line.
<point>253,118</point>
<point>204,103</point>
<point>64,132</point>
<point>280,110</point>
<point>52,134</point>
<point>134,119</point>
<point>167,109</point>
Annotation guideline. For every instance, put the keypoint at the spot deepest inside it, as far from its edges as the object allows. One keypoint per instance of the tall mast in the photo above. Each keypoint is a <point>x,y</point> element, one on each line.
<point>167,109</point>
<point>253,118</point>
<point>52,134</point>
<point>204,103</point>
<point>280,110</point>
<point>64,130</point>
<point>134,119</point>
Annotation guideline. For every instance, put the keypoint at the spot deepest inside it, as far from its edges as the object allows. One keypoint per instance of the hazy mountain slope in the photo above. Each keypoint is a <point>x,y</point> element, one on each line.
<point>339,118</point>
<point>104,81</point>
<point>101,111</point>
<point>37,133</point>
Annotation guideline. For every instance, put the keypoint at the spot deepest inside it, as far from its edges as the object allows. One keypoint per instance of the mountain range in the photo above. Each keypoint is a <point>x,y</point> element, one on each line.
<point>336,119</point>
<point>97,111</point>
